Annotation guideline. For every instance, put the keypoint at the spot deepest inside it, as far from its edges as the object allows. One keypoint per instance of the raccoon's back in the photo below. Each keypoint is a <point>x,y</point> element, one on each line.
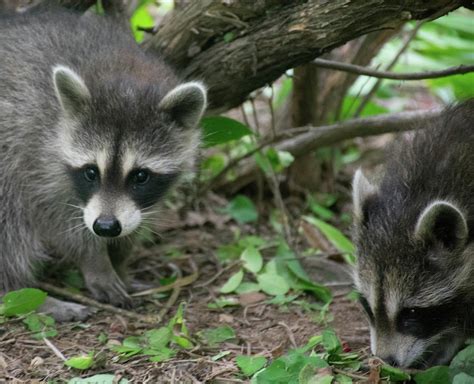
<point>438,163</point>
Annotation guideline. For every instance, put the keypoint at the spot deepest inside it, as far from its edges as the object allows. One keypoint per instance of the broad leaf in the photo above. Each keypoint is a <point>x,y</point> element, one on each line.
<point>250,364</point>
<point>22,301</point>
<point>233,282</point>
<point>221,129</point>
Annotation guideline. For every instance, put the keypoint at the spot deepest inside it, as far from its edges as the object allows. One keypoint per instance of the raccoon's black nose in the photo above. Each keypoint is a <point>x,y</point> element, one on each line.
<point>107,226</point>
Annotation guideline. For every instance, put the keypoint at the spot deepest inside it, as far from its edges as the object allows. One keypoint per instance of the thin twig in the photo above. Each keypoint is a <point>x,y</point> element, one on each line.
<point>308,138</point>
<point>55,350</point>
<point>178,283</point>
<point>360,70</point>
<point>218,274</point>
<point>93,303</point>
<point>173,297</point>
<point>394,61</point>
<point>350,374</point>
<point>275,185</point>
<point>235,161</point>
<point>290,333</point>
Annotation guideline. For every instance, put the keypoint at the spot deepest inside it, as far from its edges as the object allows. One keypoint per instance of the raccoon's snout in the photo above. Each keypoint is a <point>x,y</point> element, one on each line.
<point>107,226</point>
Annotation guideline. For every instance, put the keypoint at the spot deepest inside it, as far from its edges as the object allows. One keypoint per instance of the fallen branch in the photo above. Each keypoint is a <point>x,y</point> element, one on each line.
<point>359,70</point>
<point>178,283</point>
<point>307,139</point>
<point>93,303</point>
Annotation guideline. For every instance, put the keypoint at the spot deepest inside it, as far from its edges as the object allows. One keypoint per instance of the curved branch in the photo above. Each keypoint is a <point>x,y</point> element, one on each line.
<point>309,138</point>
<point>359,70</point>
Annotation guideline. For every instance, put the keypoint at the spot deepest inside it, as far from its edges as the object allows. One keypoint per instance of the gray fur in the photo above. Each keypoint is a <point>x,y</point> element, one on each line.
<point>414,234</point>
<point>77,89</point>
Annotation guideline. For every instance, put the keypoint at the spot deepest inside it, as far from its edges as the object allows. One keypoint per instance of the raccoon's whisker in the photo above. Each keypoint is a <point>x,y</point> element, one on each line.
<point>154,232</point>
<point>74,206</point>
<point>81,225</point>
<point>75,218</point>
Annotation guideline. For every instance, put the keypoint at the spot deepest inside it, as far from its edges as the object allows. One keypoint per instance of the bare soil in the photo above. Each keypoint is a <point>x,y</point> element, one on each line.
<point>261,328</point>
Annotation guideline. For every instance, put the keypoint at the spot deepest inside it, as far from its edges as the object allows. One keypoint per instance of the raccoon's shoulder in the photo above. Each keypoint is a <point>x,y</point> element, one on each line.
<point>439,150</point>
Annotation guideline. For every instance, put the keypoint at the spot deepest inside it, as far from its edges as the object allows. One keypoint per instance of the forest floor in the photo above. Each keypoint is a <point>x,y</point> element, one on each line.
<point>261,326</point>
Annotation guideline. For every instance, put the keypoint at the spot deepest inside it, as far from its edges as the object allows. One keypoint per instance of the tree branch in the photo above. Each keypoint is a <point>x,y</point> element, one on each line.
<point>236,46</point>
<point>309,138</point>
<point>357,69</point>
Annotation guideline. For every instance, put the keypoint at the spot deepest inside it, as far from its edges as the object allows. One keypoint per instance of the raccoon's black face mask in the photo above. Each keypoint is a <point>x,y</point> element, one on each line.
<point>411,277</point>
<point>124,146</point>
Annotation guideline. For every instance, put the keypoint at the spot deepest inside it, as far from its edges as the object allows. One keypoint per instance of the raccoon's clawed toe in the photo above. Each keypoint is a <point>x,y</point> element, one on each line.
<point>63,311</point>
<point>114,292</point>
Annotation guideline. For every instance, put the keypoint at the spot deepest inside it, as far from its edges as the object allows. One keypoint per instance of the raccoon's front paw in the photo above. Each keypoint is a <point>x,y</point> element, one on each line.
<point>63,311</point>
<point>109,290</point>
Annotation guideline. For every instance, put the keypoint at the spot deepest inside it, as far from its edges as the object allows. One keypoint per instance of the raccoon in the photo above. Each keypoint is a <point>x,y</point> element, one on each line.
<point>414,232</point>
<point>93,132</point>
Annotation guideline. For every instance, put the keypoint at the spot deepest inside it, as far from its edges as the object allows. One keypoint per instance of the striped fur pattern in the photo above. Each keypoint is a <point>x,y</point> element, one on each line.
<point>414,231</point>
<point>93,132</point>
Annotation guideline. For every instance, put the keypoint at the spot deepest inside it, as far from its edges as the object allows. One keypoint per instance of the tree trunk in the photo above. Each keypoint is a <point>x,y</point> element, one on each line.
<point>318,95</point>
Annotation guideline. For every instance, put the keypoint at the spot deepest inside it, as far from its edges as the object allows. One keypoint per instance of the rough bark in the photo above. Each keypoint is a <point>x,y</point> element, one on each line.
<point>318,95</point>
<point>239,46</point>
<point>316,137</point>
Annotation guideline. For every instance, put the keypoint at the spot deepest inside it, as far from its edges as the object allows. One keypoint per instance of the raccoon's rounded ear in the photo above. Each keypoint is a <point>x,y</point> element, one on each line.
<point>71,91</point>
<point>444,223</point>
<point>186,103</point>
<point>362,190</point>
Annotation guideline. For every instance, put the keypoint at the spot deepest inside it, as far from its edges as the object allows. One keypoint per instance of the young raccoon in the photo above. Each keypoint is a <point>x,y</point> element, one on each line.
<point>414,233</point>
<point>93,132</point>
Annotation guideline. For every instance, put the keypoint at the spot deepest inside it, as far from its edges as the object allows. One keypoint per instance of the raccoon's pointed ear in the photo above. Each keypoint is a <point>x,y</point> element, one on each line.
<point>186,103</point>
<point>444,223</point>
<point>362,189</point>
<point>71,91</point>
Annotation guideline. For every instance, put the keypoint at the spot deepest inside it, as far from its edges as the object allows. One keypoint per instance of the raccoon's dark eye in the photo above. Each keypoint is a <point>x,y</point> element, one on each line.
<point>91,173</point>
<point>141,177</point>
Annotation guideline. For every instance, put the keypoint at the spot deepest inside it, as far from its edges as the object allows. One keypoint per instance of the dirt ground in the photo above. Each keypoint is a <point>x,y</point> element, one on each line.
<point>261,328</point>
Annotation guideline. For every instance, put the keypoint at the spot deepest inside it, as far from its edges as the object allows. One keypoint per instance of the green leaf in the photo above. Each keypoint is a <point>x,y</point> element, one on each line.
<point>141,18</point>
<point>98,379</point>
<point>331,342</point>
<point>433,375</point>
<point>247,287</point>
<point>162,355</point>
<point>183,342</point>
<point>22,301</point>
<point>242,209</point>
<point>463,378</point>
<point>334,235</point>
<point>214,336</point>
<point>81,362</point>
<point>233,282</point>
<point>272,284</point>
<point>250,364</point>
<point>103,338</point>
<point>320,210</point>
<point>42,324</point>
<point>229,36</point>
<point>343,379</point>
<point>221,129</point>
<point>393,374</point>
<point>252,259</point>
<point>463,362</point>
<point>158,338</point>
